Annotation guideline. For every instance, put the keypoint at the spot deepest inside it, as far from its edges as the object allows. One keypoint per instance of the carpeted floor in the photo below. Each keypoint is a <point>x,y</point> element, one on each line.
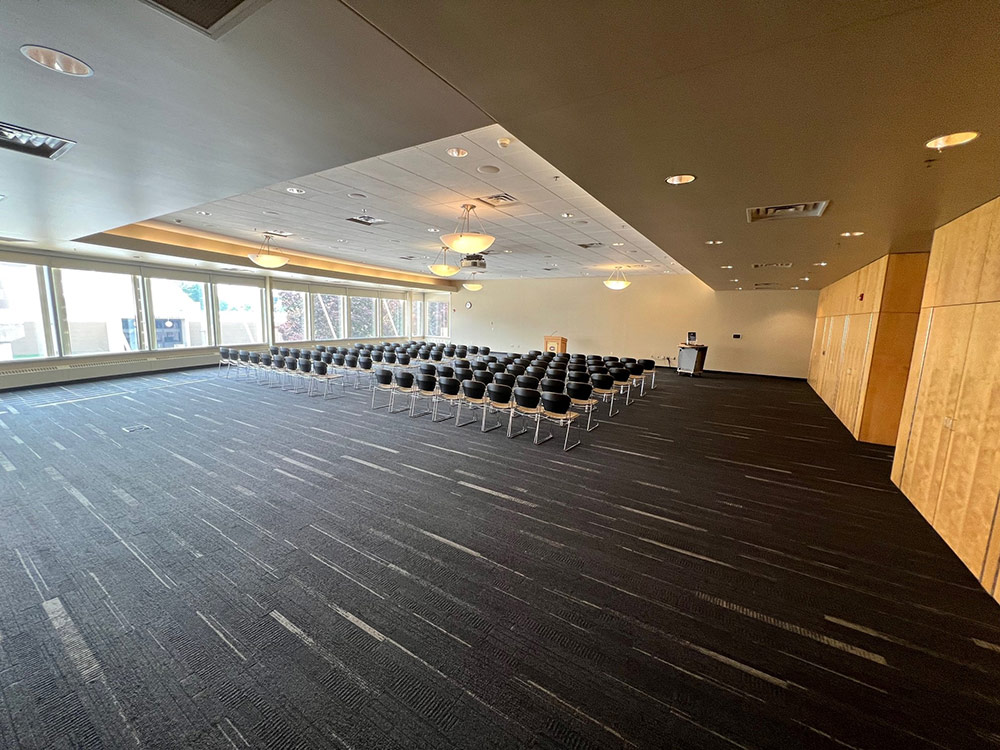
<point>720,566</point>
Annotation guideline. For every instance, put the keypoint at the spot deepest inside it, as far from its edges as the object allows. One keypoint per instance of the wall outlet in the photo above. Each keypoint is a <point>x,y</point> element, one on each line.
<point>737,335</point>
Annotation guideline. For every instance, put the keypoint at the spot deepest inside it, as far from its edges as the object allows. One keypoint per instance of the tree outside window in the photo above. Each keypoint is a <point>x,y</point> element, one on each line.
<point>289,315</point>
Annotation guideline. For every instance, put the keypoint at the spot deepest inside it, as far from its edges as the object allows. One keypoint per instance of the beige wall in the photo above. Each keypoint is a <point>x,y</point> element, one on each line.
<point>649,319</point>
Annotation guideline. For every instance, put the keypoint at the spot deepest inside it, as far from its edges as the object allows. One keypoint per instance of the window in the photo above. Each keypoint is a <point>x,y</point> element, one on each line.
<point>437,317</point>
<point>393,318</point>
<point>99,310</point>
<point>241,313</point>
<point>417,316</point>
<point>22,326</point>
<point>328,316</point>
<point>180,316</point>
<point>363,320</point>
<point>289,315</point>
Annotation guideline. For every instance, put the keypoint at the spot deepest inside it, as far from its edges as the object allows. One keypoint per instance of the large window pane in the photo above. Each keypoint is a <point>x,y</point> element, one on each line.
<point>417,317</point>
<point>241,313</point>
<point>328,316</point>
<point>437,318</point>
<point>99,310</point>
<point>363,317</point>
<point>180,317</point>
<point>22,327</point>
<point>289,315</point>
<point>393,318</point>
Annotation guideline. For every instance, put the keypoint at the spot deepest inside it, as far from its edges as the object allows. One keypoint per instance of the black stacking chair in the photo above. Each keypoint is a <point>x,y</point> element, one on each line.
<point>383,384</point>
<point>480,365</point>
<point>450,393</point>
<point>572,367</point>
<point>623,381</point>
<point>504,378</point>
<point>284,351</point>
<point>306,354</point>
<point>556,410</point>
<point>482,376</point>
<point>526,406</point>
<point>496,367</point>
<point>604,388</point>
<point>578,377</point>
<point>427,369</point>
<point>637,376</point>
<point>551,385</point>
<point>294,353</point>
<point>321,374</point>
<point>463,373</point>
<point>473,396</point>
<point>224,360</point>
<point>273,350</point>
<point>445,371</point>
<point>404,385</point>
<point>364,372</point>
<point>389,358</point>
<point>277,369</point>
<point>423,390</point>
<point>555,374</point>
<point>535,372</point>
<point>484,350</point>
<point>515,370</point>
<point>649,365</point>
<point>580,399</point>
<point>498,401</point>
<point>378,355</point>
<point>291,372</point>
<point>526,381</point>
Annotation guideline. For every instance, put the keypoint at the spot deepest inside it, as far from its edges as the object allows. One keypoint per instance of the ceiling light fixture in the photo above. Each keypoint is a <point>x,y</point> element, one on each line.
<point>488,169</point>
<point>617,281</point>
<point>725,267</point>
<point>295,190</point>
<point>735,281</point>
<point>265,258</point>
<point>713,242</point>
<point>794,287</point>
<point>851,234</point>
<point>952,139</point>
<point>617,244</point>
<point>441,266</point>
<point>804,278</point>
<point>472,285</point>
<point>821,263</point>
<point>567,215</point>
<point>462,240</point>
<point>680,179</point>
<point>503,142</point>
<point>204,213</point>
<point>458,153</point>
<point>433,229</point>
<point>58,61</point>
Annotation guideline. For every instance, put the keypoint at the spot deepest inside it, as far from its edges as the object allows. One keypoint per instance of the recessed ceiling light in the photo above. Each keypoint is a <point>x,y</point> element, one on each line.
<point>508,251</point>
<point>952,139</point>
<point>680,179</point>
<point>341,240</point>
<point>567,215</point>
<point>739,289</point>
<point>851,234</point>
<point>270,213</point>
<point>713,242</point>
<point>432,229</point>
<point>458,153</point>
<point>295,191</point>
<point>648,260</point>
<point>617,244</point>
<point>488,169</point>
<point>204,213</point>
<point>58,61</point>
<point>821,263</point>
<point>734,280</point>
<point>804,278</point>
<point>794,287</point>
<point>356,195</point>
<point>725,266</point>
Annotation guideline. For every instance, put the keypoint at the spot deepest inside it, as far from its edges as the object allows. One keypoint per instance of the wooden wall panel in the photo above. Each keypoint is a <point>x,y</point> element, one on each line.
<point>969,485</point>
<point>937,399</point>
<point>913,378</point>
<point>853,367</point>
<point>989,284</point>
<point>886,383</point>
<point>904,282</point>
<point>958,254</point>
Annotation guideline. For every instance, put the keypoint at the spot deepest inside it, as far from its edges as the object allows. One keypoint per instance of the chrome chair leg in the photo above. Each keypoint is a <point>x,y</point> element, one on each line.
<point>538,427</point>
<point>611,405</point>
<point>566,445</point>
<point>484,428</point>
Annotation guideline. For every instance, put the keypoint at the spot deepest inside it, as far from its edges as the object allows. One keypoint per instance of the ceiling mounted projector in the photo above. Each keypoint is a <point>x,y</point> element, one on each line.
<point>474,261</point>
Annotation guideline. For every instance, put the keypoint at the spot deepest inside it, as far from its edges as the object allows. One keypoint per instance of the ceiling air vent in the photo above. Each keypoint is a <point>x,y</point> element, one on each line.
<point>787,211</point>
<point>16,138</point>
<point>770,265</point>
<point>499,200</point>
<point>767,285</point>
<point>368,221</point>
<point>212,17</point>
<point>278,233</point>
<point>407,257</point>
<point>591,245</point>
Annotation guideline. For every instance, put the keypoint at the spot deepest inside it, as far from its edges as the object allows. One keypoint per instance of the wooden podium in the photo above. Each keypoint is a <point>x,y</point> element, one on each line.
<point>555,344</point>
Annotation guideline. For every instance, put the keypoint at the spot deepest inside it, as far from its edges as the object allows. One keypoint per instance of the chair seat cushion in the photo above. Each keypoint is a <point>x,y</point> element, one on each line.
<point>506,405</point>
<point>474,400</point>
<point>450,396</point>
<point>525,410</point>
<point>583,401</point>
<point>568,416</point>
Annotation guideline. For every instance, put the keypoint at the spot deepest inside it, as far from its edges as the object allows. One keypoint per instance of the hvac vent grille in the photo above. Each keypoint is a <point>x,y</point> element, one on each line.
<point>498,200</point>
<point>591,245</point>
<point>787,211</point>
<point>26,141</point>
<point>212,17</point>
<point>366,220</point>
<point>766,285</point>
<point>770,265</point>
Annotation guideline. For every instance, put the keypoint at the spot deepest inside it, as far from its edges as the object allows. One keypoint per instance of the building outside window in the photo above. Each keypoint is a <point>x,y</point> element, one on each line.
<point>241,313</point>
<point>180,314</point>
<point>22,325</point>
<point>99,310</point>
<point>289,315</point>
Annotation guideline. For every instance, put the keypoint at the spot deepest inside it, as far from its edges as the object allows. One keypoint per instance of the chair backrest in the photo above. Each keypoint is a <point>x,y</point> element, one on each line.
<point>648,364</point>
<point>255,357</point>
<point>460,362</point>
<point>449,386</point>
<point>504,378</point>
<point>224,352</point>
<point>620,374</point>
<point>279,362</point>
<point>557,374</point>
<point>305,365</point>
<point>319,367</point>
<point>428,369</point>
<point>389,358</point>
<point>484,350</point>
<point>527,398</point>
<point>273,350</point>
<point>482,376</point>
<point>539,362</point>
<point>558,364</point>
<point>556,403</point>
<point>627,360</point>
<point>473,349</point>
<point>351,360</point>
<point>383,376</point>
<point>635,369</point>
<point>515,370</point>
<point>496,367</point>
<point>579,391</point>
<point>306,354</point>
<point>320,348</point>
<point>578,377</point>
<point>535,372</point>
<point>527,381</point>
<point>602,381</point>
<point>291,363</point>
<point>445,371</point>
<point>499,394</point>
<point>404,379</point>
<point>463,373</point>
<point>403,359</point>
<point>473,389</point>
<point>339,360</point>
<point>266,360</point>
<point>523,361</point>
<point>426,382</point>
<point>328,357</point>
<point>377,355</point>
<point>294,353</point>
<point>551,385</point>
<point>284,351</point>
<point>244,355</point>
<point>610,359</point>
<point>365,363</point>
<point>534,352</point>
<point>437,356</point>
<point>597,369</point>
<point>577,368</point>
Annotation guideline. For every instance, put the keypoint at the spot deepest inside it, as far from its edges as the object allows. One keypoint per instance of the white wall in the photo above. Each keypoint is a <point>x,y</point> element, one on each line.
<point>649,319</point>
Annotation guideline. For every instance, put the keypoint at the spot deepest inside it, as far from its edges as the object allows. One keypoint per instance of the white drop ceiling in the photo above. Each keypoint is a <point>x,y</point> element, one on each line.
<point>422,188</point>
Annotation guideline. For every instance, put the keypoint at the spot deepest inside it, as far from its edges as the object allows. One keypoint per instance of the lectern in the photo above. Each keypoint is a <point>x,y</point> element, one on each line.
<point>691,359</point>
<point>555,344</point>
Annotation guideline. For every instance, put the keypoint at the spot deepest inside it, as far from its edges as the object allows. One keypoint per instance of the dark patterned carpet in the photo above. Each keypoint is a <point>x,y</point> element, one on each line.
<point>721,566</point>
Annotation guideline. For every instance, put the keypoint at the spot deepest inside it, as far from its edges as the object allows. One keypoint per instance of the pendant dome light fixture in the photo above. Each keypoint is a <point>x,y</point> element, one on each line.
<point>464,241</point>
<point>441,266</point>
<point>265,258</point>
<point>617,281</point>
<point>472,285</point>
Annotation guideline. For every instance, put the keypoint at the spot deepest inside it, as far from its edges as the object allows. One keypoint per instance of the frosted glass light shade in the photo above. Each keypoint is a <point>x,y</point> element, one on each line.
<point>616,284</point>
<point>268,260</point>
<point>468,242</point>
<point>443,269</point>
<point>473,286</point>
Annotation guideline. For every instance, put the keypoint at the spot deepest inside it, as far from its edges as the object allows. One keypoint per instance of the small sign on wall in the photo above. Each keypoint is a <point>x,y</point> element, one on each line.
<point>692,337</point>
